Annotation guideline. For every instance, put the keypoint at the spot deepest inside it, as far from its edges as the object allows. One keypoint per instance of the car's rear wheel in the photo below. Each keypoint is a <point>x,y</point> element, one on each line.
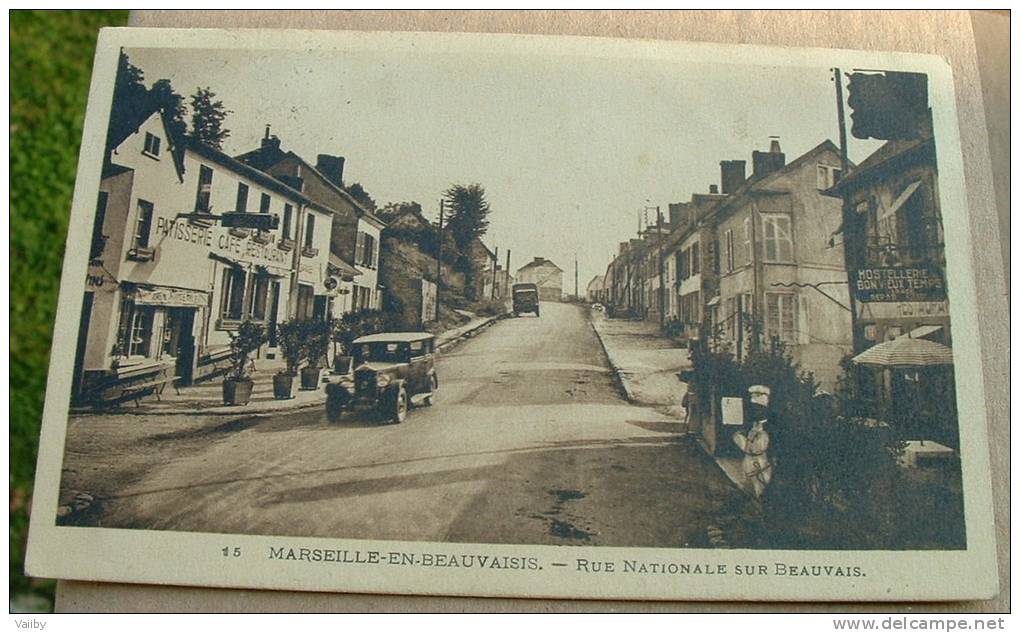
<point>398,411</point>
<point>433,386</point>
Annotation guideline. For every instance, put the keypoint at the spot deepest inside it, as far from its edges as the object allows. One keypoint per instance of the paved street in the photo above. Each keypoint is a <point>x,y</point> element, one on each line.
<point>529,442</point>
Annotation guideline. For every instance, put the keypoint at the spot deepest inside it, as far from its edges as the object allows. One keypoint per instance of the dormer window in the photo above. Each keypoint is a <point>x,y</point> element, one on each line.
<point>151,145</point>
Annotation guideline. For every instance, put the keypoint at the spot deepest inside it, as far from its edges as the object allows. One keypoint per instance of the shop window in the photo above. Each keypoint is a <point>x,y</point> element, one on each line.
<point>152,145</point>
<point>136,329</point>
<point>305,302</point>
<point>264,203</point>
<point>781,317</point>
<point>259,298</point>
<point>204,196</point>
<point>778,238</point>
<point>232,294</point>
<point>143,225</point>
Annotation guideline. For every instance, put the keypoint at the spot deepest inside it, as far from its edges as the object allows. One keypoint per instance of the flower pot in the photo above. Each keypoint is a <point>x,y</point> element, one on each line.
<point>310,378</point>
<point>283,386</point>
<point>342,365</point>
<point>237,392</point>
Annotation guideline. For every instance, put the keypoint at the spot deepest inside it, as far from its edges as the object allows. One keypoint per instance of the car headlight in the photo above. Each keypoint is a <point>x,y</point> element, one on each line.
<point>382,380</point>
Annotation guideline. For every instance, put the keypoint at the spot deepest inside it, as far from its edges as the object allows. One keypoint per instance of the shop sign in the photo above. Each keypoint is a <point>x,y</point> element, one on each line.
<point>428,301</point>
<point>912,309</point>
<point>899,284</point>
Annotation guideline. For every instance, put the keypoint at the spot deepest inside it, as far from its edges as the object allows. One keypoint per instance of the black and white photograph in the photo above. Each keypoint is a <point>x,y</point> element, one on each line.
<point>518,316</point>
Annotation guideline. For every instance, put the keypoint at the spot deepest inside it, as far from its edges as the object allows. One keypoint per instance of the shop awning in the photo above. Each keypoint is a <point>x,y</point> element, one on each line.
<point>169,297</point>
<point>345,270</point>
<point>269,272</point>
<point>229,261</point>
<point>921,331</point>
<point>714,301</point>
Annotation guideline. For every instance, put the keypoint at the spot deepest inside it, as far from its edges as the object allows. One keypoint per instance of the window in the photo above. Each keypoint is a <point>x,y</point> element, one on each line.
<point>310,232</point>
<point>143,224</point>
<point>264,203</point>
<point>260,294</point>
<point>714,256</point>
<point>417,348</point>
<point>242,198</point>
<point>781,317</point>
<point>364,250</point>
<point>748,245</point>
<point>305,302</point>
<point>135,329</point>
<point>731,318</point>
<point>778,238</point>
<point>729,250</point>
<point>204,190</point>
<point>288,219</point>
<point>369,250</point>
<point>98,239</point>
<point>232,294</point>
<point>828,176</point>
<point>695,259</point>
<point>151,145</point>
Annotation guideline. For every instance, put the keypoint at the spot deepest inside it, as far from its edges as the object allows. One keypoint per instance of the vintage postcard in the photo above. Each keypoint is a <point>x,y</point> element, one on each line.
<point>517,316</point>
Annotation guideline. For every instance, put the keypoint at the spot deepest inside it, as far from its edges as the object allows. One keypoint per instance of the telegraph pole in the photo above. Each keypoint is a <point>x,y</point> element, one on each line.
<point>506,285</point>
<point>495,265</point>
<point>662,272</point>
<point>576,295</point>
<point>439,254</point>
<point>847,213</point>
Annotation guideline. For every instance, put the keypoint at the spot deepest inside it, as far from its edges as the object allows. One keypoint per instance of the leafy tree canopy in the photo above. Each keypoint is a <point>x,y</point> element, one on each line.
<point>207,117</point>
<point>358,193</point>
<point>467,212</point>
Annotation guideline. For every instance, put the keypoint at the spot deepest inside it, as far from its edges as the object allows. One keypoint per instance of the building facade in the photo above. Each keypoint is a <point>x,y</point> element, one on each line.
<point>546,275</point>
<point>164,292</point>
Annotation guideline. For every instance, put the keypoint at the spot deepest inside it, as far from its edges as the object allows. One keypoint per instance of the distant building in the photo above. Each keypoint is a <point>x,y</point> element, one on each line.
<point>546,275</point>
<point>594,290</point>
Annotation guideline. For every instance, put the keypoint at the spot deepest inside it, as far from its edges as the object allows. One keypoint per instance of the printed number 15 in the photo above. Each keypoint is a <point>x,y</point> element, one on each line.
<point>232,551</point>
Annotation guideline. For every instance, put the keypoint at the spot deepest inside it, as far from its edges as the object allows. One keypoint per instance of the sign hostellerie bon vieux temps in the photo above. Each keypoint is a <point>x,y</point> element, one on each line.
<point>900,284</point>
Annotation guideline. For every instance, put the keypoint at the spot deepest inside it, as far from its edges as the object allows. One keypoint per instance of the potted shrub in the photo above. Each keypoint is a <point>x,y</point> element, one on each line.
<point>237,385</point>
<point>289,336</point>
<point>316,335</point>
<point>342,335</point>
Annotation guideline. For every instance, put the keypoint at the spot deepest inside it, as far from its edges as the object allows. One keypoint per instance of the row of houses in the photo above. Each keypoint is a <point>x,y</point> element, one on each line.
<point>761,259</point>
<point>167,282</point>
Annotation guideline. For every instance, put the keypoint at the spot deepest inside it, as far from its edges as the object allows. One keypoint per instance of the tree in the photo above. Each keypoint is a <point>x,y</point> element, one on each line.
<point>129,98</point>
<point>207,117</point>
<point>163,95</point>
<point>358,193</point>
<point>467,212</point>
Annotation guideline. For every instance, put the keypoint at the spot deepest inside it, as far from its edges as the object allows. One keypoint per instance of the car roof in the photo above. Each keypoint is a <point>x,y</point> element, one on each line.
<point>394,337</point>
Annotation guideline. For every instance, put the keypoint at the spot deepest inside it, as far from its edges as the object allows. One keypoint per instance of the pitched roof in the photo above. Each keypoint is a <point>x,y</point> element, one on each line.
<point>889,152</point>
<point>541,261</point>
<point>264,158</point>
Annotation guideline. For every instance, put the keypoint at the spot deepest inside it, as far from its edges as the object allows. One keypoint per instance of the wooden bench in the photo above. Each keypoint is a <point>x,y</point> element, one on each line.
<point>136,391</point>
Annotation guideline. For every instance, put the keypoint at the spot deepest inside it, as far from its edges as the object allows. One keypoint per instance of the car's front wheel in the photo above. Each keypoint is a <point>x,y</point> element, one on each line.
<point>398,406</point>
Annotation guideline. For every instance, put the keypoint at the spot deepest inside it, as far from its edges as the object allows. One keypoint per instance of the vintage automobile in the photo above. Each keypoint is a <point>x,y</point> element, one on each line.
<point>390,369</point>
<point>525,298</point>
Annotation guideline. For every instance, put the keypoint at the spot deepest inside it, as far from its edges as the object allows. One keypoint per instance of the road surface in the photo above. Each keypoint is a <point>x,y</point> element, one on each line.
<point>529,441</point>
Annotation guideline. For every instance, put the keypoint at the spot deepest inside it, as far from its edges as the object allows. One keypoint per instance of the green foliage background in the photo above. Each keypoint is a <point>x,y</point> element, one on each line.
<point>51,63</point>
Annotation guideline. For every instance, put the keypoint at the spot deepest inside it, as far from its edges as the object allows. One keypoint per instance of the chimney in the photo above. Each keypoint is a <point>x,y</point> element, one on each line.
<point>764,163</point>
<point>266,137</point>
<point>713,189</point>
<point>332,167</point>
<point>733,174</point>
<point>270,142</point>
<point>678,214</point>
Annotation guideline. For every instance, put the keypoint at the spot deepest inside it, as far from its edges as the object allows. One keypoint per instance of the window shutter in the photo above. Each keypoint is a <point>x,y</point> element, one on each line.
<point>359,248</point>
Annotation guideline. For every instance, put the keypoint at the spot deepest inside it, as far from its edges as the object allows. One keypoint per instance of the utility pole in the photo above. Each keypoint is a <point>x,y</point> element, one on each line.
<point>576,295</point>
<point>495,264</point>
<point>439,254</point>
<point>506,273</point>
<point>847,213</point>
<point>662,271</point>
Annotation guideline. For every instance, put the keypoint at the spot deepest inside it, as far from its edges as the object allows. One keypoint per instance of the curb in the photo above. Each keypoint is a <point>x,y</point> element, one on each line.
<point>618,374</point>
<point>257,412</point>
<point>445,345</point>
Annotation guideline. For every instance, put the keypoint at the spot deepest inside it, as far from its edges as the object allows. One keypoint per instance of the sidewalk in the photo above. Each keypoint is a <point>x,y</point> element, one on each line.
<point>645,362</point>
<point>206,398</point>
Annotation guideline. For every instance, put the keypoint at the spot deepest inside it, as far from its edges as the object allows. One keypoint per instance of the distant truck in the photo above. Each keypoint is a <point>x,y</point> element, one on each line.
<point>525,297</point>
